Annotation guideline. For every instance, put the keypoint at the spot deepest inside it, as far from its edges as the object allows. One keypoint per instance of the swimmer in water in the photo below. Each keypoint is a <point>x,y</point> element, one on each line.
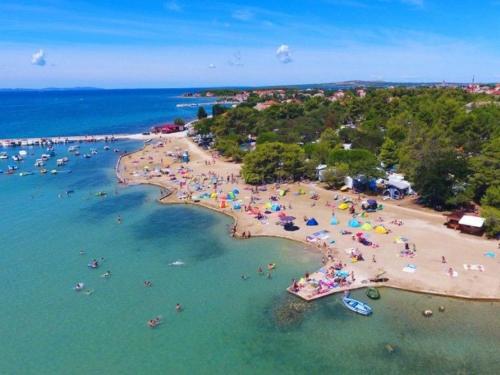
<point>106,275</point>
<point>82,252</point>
<point>244,277</point>
<point>148,283</point>
<point>260,271</point>
<point>119,219</point>
<point>178,307</point>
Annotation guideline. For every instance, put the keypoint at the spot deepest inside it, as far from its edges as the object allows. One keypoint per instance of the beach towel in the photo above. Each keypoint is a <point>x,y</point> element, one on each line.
<point>490,254</point>
<point>474,267</point>
<point>410,268</point>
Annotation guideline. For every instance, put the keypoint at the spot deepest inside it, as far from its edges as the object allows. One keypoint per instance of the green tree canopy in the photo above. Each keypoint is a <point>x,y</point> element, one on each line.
<point>272,162</point>
<point>202,113</point>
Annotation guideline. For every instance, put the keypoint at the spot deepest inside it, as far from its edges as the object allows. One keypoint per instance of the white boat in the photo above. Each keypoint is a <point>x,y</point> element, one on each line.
<point>60,162</point>
<point>357,306</point>
<point>79,287</point>
<point>4,155</point>
<point>23,153</point>
<point>39,163</point>
<point>17,157</point>
<point>22,174</point>
<point>53,171</point>
<point>93,151</point>
<point>45,157</point>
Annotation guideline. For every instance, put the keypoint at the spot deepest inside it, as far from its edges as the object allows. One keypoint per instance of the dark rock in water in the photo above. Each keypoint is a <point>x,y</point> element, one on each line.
<point>290,312</point>
<point>390,348</point>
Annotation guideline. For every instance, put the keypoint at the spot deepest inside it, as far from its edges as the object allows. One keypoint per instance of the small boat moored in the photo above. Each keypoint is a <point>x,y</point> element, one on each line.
<point>79,287</point>
<point>357,306</point>
<point>373,293</point>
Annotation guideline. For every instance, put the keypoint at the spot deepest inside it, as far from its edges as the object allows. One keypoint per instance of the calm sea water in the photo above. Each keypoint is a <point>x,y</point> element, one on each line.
<point>228,325</point>
<point>54,113</point>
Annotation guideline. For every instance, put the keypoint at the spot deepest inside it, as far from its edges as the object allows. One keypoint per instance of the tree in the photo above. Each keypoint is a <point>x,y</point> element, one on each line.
<point>334,177</point>
<point>267,137</point>
<point>485,168</point>
<point>179,121</point>
<point>389,153</point>
<point>272,162</point>
<point>330,138</point>
<point>437,169</point>
<point>492,222</point>
<point>229,147</point>
<point>359,161</point>
<point>202,113</point>
<point>218,109</point>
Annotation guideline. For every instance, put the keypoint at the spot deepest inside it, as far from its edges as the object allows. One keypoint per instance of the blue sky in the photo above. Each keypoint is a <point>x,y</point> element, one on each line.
<point>180,43</point>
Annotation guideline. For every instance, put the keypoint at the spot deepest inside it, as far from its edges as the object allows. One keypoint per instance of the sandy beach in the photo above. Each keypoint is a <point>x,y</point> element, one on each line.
<point>471,264</point>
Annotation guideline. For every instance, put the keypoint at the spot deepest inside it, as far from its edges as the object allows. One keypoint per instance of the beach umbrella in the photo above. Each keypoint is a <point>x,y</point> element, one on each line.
<point>334,220</point>
<point>380,230</point>
<point>287,219</point>
<point>366,226</point>
<point>353,223</point>
<point>312,221</point>
<point>343,206</point>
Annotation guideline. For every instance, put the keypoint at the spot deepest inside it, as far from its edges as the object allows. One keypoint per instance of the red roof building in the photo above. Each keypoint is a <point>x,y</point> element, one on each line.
<point>167,128</point>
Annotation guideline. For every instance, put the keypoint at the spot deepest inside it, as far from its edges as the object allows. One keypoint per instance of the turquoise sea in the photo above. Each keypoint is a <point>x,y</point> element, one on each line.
<point>228,325</point>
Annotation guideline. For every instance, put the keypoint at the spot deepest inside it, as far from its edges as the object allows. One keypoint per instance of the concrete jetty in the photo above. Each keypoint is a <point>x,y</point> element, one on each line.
<point>44,141</point>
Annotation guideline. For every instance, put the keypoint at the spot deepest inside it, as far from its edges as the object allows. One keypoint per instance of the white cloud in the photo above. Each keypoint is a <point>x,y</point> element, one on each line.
<point>38,58</point>
<point>284,54</point>
<point>173,6</point>
<point>211,66</point>
<point>243,15</point>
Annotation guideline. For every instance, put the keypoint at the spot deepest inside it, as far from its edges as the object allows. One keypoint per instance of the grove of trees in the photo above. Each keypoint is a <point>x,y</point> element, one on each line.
<point>446,141</point>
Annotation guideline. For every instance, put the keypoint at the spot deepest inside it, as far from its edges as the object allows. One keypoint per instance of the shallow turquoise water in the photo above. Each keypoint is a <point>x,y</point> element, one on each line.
<point>228,325</point>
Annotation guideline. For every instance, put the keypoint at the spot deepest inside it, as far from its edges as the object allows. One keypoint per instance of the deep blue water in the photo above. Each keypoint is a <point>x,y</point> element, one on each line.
<point>54,113</point>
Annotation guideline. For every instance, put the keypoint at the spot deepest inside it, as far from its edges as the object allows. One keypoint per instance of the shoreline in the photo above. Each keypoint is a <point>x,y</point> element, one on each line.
<point>463,291</point>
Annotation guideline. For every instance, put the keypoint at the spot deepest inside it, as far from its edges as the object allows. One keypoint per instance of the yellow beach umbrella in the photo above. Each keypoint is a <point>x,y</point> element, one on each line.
<point>380,230</point>
<point>343,206</point>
